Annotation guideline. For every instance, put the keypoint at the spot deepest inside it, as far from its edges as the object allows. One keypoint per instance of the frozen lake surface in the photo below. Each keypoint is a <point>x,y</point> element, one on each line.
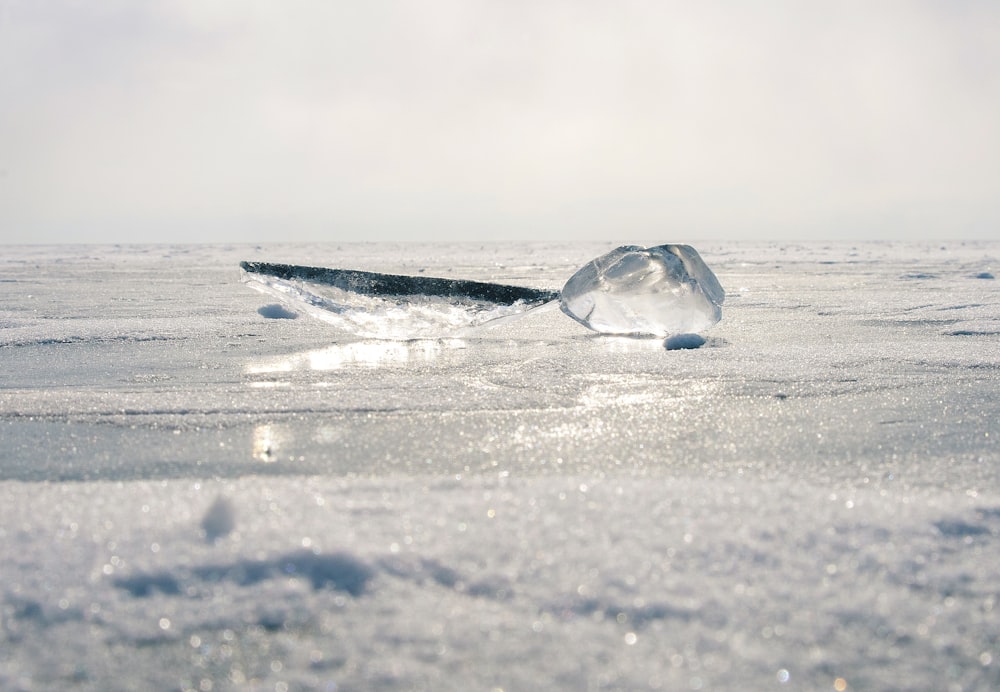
<point>199,492</point>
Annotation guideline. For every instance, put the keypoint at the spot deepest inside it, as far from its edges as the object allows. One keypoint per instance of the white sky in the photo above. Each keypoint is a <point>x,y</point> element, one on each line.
<point>189,120</point>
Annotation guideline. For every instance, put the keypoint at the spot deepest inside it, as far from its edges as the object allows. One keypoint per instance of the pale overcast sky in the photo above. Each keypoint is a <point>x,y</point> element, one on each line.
<point>244,120</point>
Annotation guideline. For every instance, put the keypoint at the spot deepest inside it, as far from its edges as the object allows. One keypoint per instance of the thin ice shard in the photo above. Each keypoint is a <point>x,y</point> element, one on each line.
<point>376,284</point>
<point>658,291</point>
<point>392,306</point>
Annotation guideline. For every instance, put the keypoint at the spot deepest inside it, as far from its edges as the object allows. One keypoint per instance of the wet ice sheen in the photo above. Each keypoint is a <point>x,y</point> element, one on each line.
<point>659,291</point>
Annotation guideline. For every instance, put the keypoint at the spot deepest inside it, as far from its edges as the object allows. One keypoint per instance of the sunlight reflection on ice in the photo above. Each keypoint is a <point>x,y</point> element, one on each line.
<point>628,344</point>
<point>265,443</point>
<point>272,443</point>
<point>622,391</point>
<point>365,354</point>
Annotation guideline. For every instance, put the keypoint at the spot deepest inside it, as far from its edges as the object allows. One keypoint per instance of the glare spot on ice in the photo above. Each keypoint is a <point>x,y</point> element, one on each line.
<point>620,391</point>
<point>270,385</point>
<point>270,443</point>
<point>432,317</point>
<point>265,443</point>
<point>369,354</point>
<point>610,392</point>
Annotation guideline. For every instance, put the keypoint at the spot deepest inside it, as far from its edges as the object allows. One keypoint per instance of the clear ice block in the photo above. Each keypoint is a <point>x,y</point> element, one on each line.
<point>656,291</point>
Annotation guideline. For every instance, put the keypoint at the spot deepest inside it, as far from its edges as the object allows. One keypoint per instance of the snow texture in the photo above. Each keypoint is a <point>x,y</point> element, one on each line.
<point>658,291</point>
<point>193,497</point>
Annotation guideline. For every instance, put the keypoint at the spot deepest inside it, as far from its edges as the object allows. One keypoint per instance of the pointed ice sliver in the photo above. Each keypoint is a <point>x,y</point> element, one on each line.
<point>397,285</point>
<point>391,306</point>
<point>658,291</point>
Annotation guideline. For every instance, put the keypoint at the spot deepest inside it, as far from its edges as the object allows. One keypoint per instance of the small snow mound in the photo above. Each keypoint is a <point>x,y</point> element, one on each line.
<point>219,520</point>
<point>274,311</point>
<point>682,341</point>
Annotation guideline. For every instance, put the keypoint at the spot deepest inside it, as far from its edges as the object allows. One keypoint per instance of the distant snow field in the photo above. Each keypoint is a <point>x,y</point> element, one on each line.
<point>199,493</point>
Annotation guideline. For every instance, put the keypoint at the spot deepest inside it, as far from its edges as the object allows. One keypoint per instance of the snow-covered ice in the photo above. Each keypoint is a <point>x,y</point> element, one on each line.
<point>196,496</point>
<point>657,291</point>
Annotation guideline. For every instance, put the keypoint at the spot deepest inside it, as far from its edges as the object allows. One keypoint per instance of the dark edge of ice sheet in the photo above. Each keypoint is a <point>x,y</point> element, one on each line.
<point>373,283</point>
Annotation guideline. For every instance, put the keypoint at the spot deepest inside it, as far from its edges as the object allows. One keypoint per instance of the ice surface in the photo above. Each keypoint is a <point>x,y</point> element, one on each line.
<point>809,501</point>
<point>659,291</point>
<point>390,306</point>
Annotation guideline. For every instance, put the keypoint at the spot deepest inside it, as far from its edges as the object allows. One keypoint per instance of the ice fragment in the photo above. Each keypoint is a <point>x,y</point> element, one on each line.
<point>658,291</point>
<point>398,286</point>
<point>391,306</point>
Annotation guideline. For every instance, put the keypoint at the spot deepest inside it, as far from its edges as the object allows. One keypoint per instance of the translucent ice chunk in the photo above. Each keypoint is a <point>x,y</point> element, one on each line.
<point>656,291</point>
<point>390,306</point>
